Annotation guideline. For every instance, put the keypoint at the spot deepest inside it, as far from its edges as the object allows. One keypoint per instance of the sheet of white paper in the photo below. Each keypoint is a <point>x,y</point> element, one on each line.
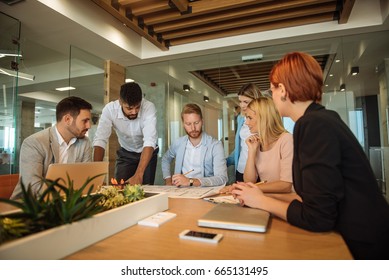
<point>184,192</point>
<point>223,199</point>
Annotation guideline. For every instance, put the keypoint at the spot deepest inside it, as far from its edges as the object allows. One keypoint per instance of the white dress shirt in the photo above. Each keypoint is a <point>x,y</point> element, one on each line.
<point>192,160</point>
<point>64,147</point>
<point>133,135</point>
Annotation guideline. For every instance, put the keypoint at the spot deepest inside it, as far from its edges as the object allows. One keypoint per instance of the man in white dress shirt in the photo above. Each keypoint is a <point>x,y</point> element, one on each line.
<point>134,120</point>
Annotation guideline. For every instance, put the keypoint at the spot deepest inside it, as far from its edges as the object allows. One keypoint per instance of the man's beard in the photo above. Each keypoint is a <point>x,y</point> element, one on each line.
<point>82,135</point>
<point>194,134</point>
<point>132,117</point>
<point>78,135</point>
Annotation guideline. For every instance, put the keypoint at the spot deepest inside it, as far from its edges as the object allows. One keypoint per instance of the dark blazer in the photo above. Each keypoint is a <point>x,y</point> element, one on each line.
<point>334,178</point>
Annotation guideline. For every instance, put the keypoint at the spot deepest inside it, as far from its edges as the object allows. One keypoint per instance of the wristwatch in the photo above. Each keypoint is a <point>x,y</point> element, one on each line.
<point>190,182</point>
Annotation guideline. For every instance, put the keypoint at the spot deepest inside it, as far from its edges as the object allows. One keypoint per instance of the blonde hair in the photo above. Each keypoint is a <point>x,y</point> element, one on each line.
<point>269,122</point>
<point>250,90</point>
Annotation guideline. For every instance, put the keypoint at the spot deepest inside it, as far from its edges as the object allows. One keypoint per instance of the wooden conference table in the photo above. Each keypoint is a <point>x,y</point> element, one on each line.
<point>281,241</point>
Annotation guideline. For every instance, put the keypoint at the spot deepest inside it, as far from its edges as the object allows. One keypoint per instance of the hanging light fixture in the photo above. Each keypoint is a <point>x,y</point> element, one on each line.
<point>15,74</point>
<point>342,87</point>
<point>12,53</point>
<point>206,98</point>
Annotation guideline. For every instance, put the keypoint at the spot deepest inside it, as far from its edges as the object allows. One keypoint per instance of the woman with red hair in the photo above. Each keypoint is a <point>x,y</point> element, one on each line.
<point>335,185</point>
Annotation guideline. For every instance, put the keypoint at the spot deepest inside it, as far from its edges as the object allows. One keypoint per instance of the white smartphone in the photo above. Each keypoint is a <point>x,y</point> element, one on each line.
<point>201,236</point>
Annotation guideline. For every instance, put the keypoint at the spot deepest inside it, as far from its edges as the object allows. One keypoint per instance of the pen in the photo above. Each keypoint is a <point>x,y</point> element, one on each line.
<point>186,173</point>
<point>259,183</point>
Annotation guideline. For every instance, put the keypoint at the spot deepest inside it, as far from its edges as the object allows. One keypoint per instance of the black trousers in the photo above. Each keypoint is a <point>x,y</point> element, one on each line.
<point>127,163</point>
<point>238,176</point>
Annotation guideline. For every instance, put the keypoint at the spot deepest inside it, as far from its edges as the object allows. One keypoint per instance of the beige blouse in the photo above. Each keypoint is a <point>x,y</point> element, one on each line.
<point>276,163</point>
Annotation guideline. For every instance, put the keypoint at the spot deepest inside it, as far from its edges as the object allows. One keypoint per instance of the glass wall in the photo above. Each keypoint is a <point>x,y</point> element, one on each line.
<point>10,57</point>
<point>86,80</point>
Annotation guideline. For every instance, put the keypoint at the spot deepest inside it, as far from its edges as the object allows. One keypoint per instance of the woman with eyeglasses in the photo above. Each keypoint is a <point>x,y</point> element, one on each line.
<point>335,185</point>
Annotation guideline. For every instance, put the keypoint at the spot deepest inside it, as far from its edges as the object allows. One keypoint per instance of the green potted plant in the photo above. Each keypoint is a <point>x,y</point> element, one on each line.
<point>61,206</point>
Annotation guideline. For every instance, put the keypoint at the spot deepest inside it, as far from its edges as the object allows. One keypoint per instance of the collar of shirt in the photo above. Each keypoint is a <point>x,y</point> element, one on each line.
<point>63,146</point>
<point>192,160</point>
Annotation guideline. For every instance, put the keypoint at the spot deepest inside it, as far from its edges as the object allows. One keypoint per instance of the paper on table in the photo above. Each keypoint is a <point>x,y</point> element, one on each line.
<point>223,199</point>
<point>184,192</point>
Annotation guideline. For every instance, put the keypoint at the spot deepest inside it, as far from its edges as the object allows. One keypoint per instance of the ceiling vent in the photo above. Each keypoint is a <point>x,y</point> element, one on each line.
<point>254,57</point>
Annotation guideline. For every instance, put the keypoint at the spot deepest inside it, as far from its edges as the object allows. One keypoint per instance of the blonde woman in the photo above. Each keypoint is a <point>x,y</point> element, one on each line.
<point>270,148</point>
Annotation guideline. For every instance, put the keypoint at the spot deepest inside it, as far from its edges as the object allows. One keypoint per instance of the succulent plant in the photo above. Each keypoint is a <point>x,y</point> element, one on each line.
<point>114,196</point>
<point>133,192</point>
<point>12,228</point>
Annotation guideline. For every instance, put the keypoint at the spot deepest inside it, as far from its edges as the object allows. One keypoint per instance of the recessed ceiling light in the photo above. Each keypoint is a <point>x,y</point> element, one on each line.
<point>186,88</point>
<point>65,88</point>
<point>354,70</point>
<point>337,60</point>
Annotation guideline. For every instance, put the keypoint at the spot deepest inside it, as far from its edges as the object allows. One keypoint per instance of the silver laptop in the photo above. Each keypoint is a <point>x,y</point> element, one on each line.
<point>236,217</point>
<point>79,173</point>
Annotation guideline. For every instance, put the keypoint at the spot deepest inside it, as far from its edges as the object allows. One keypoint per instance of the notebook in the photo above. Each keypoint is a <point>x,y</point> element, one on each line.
<point>78,173</point>
<point>235,217</point>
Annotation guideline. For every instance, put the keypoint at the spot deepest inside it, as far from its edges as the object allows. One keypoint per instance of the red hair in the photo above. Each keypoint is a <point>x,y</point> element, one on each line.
<point>301,75</point>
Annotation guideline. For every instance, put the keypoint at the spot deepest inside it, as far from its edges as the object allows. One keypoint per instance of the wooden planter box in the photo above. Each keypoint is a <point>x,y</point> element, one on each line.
<point>64,240</point>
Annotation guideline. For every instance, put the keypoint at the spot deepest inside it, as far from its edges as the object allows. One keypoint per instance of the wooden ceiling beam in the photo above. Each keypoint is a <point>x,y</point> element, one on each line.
<point>200,8</point>
<point>168,23</point>
<point>252,29</point>
<point>220,5</point>
<point>128,2</point>
<point>289,15</point>
<point>233,14</point>
<point>346,11</point>
<point>223,72</point>
<point>133,24</point>
<point>149,6</point>
<point>181,5</point>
